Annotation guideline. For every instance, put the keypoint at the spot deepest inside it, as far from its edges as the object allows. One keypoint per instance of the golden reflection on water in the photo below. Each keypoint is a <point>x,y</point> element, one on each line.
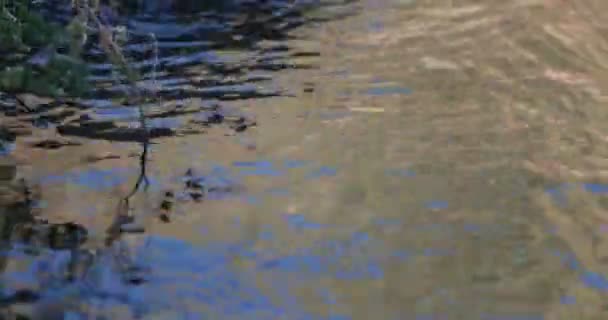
<point>450,126</point>
<point>506,104</point>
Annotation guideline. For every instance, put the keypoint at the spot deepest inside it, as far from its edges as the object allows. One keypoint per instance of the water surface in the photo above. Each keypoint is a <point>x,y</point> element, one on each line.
<point>401,160</point>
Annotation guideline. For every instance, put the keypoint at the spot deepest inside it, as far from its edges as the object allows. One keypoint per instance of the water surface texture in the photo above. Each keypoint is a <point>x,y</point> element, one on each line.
<point>372,159</point>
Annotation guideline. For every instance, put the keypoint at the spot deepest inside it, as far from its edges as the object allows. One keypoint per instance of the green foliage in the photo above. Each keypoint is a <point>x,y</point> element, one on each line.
<point>62,76</point>
<point>23,32</point>
<point>21,29</point>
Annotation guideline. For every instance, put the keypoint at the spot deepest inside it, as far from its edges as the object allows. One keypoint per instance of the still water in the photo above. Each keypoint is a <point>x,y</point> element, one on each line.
<point>372,159</point>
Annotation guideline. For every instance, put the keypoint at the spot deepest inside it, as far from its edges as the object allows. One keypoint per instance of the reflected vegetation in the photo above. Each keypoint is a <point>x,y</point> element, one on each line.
<point>313,160</point>
<point>215,51</point>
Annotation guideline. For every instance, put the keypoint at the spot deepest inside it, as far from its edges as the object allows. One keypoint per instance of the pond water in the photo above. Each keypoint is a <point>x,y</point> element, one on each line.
<point>362,159</point>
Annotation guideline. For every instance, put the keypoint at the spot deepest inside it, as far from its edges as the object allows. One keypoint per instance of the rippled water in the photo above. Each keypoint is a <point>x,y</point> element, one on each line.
<point>312,160</point>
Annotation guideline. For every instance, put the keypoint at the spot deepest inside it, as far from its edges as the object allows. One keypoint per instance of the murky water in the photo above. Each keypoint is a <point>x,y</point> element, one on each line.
<point>312,160</point>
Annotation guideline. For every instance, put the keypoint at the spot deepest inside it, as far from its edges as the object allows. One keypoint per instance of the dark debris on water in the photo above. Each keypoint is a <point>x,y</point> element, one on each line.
<point>185,39</point>
<point>188,40</point>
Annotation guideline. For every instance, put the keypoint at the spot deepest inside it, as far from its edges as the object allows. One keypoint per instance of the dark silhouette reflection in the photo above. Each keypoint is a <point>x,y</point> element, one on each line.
<point>18,203</point>
<point>186,58</point>
<point>205,116</point>
<point>198,187</point>
<point>166,207</point>
<point>71,275</point>
<point>124,221</point>
<point>23,232</point>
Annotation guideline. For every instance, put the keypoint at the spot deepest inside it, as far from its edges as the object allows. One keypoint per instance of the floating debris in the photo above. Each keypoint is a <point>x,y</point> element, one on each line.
<point>366,109</point>
<point>100,157</point>
<point>166,206</point>
<point>54,143</point>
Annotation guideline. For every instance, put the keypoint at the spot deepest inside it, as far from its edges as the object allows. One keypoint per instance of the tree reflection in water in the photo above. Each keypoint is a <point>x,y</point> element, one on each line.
<point>52,257</point>
<point>46,270</point>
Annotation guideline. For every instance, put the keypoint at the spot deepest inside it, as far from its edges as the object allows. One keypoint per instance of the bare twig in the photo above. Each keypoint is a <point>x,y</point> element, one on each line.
<point>114,53</point>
